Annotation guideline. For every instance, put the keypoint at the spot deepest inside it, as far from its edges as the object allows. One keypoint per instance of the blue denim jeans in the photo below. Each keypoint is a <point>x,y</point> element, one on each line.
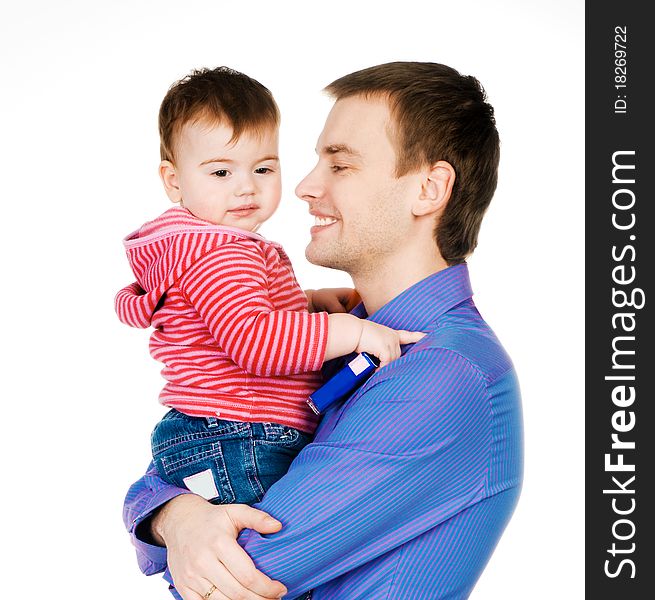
<point>224,461</point>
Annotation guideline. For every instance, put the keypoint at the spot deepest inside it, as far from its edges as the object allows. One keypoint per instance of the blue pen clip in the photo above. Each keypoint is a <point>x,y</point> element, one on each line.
<point>344,383</point>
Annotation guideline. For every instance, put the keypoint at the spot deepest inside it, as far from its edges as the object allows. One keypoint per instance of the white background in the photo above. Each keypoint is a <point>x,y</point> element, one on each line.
<point>81,86</point>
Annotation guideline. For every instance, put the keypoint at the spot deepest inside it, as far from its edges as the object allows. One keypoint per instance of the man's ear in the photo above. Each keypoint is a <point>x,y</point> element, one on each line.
<point>169,178</point>
<point>436,189</point>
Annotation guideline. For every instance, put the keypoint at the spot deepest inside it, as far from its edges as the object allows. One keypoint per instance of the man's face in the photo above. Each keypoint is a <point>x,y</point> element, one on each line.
<point>361,208</point>
<point>227,183</point>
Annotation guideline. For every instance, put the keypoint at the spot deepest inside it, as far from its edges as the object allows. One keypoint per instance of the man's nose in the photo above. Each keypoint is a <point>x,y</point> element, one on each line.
<point>310,187</point>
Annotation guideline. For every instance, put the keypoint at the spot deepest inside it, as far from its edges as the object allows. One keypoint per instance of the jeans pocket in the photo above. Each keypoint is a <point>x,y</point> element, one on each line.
<point>276,451</point>
<point>199,467</point>
<point>281,435</point>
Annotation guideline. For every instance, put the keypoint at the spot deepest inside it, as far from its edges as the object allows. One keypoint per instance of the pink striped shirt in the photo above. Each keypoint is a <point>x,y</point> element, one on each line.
<point>231,322</point>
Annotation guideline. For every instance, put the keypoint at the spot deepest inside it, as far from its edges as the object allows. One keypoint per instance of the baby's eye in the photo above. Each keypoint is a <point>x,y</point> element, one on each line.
<point>221,173</point>
<point>263,170</point>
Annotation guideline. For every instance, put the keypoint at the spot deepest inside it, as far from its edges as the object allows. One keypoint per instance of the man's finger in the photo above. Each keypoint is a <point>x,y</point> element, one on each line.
<point>241,567</point>
<point>227,586</point>
<point>334,305</point>
<point>215,595</point>
<point>187,593</point>
<point>352,300</point>
<point>237,561</point>
<point>247,517</point>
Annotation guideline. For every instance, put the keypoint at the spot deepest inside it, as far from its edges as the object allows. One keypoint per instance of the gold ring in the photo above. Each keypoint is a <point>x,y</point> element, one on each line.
<point>212,589</point>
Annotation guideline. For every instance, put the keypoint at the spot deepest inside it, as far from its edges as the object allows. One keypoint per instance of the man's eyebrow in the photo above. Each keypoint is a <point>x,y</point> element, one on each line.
<point>339,149</point>
<point>230,161</point>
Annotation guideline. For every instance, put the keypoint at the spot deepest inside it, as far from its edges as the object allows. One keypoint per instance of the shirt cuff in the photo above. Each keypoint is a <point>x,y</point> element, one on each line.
<point>152,559</point>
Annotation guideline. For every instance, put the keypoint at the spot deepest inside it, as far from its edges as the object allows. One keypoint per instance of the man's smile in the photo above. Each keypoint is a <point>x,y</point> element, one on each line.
<point>324,221</point>
<point>321,223</point>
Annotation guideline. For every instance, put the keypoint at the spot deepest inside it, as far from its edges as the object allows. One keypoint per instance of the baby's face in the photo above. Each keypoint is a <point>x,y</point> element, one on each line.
<point>234,184</point>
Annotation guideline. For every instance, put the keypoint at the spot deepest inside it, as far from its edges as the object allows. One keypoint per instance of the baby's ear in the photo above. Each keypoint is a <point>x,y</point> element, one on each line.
<point>168,176</point>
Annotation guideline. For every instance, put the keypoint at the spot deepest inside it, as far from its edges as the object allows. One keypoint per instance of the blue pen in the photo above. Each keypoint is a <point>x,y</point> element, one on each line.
<point>344,383</point>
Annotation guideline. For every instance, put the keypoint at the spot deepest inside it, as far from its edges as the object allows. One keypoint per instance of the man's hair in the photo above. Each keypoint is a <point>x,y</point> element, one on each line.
<point>215,96</point>
<point>438,114</point>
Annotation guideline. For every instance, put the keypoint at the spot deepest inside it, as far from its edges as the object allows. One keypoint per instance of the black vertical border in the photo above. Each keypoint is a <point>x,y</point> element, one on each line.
<point>606,133</point>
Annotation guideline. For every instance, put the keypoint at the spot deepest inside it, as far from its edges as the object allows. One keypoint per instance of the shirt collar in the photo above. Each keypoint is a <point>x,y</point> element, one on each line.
<point>419,306</point>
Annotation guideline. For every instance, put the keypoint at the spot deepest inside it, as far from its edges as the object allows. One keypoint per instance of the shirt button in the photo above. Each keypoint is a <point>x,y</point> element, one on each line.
<point>218,413</point>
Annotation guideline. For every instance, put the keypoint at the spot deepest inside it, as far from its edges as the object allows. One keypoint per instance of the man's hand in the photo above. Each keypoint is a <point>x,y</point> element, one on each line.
<point>203,551</point>
<point>332,300</point>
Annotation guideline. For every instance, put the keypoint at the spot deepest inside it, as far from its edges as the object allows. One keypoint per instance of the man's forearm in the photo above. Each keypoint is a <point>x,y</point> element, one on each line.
<point>174,511</point>
<point>143,499</point>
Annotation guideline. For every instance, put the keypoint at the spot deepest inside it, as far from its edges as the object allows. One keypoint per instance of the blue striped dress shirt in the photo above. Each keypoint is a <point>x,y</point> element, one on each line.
<point>409,484</point>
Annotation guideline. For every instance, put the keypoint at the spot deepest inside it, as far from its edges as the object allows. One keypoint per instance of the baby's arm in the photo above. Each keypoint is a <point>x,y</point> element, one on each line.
<point>347,333</point>
<point>229,289</point>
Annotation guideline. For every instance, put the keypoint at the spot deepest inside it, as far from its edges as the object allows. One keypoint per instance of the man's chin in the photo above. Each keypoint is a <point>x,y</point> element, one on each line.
<point>330,262</point>
<point>313,257</point>
<point>320,257</point>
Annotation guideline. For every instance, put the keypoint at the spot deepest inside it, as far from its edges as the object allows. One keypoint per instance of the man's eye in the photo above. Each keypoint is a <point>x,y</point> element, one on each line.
<point>338,168</point>
<point>221,173</point>
<point>263,170</point>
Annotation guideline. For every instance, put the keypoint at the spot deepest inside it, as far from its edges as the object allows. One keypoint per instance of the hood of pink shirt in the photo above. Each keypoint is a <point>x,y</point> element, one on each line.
<point>159,252</point>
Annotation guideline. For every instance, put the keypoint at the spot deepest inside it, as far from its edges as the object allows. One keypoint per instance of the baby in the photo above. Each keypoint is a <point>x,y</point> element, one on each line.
<point>241,343</point>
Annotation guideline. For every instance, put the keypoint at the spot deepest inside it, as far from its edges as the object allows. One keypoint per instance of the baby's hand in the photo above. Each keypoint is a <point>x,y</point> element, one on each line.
<point>385,342</point>
<point>332,300</point>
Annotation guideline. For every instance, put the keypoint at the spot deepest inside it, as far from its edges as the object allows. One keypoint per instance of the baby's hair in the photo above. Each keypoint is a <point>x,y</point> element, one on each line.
<point>215,96</point>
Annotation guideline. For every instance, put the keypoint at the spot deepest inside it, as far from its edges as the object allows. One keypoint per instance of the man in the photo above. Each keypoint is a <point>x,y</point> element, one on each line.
<point>410,482</point>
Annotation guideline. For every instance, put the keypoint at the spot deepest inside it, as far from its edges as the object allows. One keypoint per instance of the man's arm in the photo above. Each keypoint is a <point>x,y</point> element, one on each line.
<point>407,453</point>
<point>143,498</point>
<point>149,499</point>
